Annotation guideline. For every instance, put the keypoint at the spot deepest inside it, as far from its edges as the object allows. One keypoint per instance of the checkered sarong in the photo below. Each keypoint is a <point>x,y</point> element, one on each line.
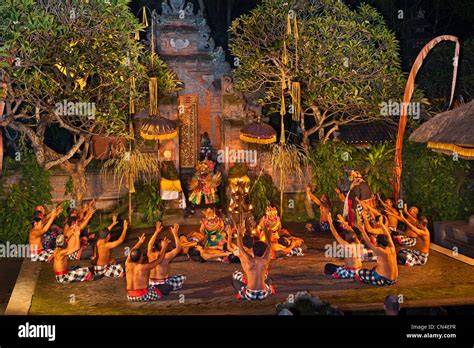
<point>412,257</point>
<point>360,212</point>
<point>324,225</point>
<point>43,256</point>
<point>253,295</point>
<point>75,275</point>
<point>176,282</point>
<point>405,240</point>
<point>144,295</point>
<point>296,252</point>
<point>343,272</point>
<point>372,277</point>
<point>113,271</point>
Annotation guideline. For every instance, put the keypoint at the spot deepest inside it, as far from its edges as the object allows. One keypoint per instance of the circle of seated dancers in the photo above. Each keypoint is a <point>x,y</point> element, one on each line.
<point>373,236</point>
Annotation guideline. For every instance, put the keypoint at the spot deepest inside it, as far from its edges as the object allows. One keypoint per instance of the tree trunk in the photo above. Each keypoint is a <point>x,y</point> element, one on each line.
<point>79,183</point>
<point>305,142</point>
<point>77,172</point>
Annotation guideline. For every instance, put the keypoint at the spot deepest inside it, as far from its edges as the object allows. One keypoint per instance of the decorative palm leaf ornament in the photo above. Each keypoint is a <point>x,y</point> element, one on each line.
<point>409,88</point>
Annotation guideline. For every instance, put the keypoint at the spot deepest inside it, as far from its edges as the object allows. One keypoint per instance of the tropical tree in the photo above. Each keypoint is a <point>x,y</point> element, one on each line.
<point>377,165</point>
<point>72,65</point>
<point>345,61</point>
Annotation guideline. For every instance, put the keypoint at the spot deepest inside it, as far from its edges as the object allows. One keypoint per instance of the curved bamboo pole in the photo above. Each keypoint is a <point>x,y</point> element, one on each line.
<point>409,88</point>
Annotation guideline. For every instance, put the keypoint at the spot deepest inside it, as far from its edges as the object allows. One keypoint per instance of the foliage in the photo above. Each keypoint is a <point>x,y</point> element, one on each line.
<point>262,192</point>
<point>238,170</point>
<point>17,202</point>
<point>435,75</point>
<point>148,201</point>
<point>131,166</point>
<point>346,60</point>
<point>286,160</point>
<point>80,52</point>
<point>329,163</point>
<point>377,164</point>
<point>441,187</point>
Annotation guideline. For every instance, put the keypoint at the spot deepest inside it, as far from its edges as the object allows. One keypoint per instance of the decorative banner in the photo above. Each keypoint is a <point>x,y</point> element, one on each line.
<point>187,115</point>
<point>409,88</point>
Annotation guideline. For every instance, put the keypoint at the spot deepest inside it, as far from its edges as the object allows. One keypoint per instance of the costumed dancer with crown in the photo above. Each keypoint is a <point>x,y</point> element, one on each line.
<point>204,183</point>
<point>283,243</point>
<point>212,226</point>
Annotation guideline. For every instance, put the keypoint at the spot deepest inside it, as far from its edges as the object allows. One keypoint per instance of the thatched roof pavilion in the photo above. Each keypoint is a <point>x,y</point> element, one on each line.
<point>449,132</point>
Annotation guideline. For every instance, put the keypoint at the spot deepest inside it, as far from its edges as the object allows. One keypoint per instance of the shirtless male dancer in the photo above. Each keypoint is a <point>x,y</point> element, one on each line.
<point>63,249</point>
<point>161,273</point>
<point>104,265</point>
<point>253,283</point>
<point>138,274</point>
<point>325,207</point>
<point>352,255</point>
<point>35,237</point>
<point>417,256</point>
<point>409,238</point>
<point>386,271</point>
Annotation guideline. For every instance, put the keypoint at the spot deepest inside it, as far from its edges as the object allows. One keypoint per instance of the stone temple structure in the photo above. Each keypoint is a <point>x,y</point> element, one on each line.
<point>207,102</point>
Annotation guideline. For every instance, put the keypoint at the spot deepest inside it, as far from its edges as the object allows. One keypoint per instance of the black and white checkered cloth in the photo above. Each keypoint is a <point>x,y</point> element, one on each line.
<point>152,294</point>
<point>344,273</point>
<point>372,277</point>
<point>43,256</point>
<point>412,257</point>
<point>176,282</point>
<point>405,241</point>
<point>253,295</point>
<point>75,275</point>
<point>113,271</point>
<point>239,275</point>
<point>360,212</point>
<point>296,252</point>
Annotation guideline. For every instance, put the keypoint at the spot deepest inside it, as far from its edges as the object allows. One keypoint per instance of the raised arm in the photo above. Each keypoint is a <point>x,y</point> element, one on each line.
<point>311,196</point>
<point>369,228</point>
<point>141,240</point>
<point>230,231</point>
<point>53,216</point>
<point>344,223</point>
<point>340,195</point>
<point>411,225</point>
<point>242,251</point>
<point>120,240</point>
<point>151,242</point>
<point>114,222</point>
<point>161,255</point>
<point>268,252</point>
<point>336,235</point>
<point>178,247</point>
<point>86,219</point>
<point>389,236</point>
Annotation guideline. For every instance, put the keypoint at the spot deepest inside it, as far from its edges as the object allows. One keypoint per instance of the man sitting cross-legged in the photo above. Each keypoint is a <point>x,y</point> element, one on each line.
<point>104,265</point>
<point>253,283</point>
<point>386,271</point>
<point>138,274</point>
<point>419,255</point>
<point>63,250</point>
<point>352,255</point>
<point>367,254</point>
<point>160,274</point>
<point>36,234</point>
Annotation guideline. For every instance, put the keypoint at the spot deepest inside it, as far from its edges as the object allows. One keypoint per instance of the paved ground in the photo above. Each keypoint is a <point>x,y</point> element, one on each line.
<point>9,269</point>
<point>208,290</point>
